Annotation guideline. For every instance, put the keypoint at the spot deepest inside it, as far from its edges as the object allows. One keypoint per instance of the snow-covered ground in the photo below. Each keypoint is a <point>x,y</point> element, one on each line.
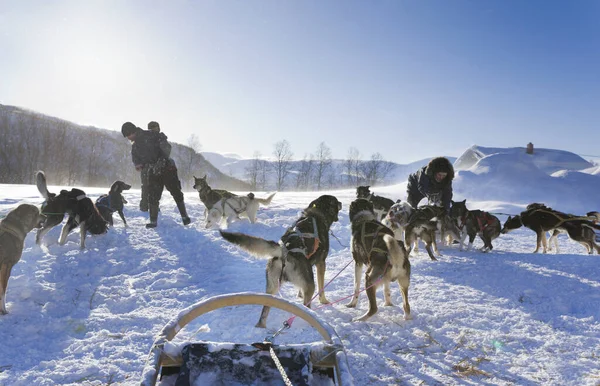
<point>503,318</point>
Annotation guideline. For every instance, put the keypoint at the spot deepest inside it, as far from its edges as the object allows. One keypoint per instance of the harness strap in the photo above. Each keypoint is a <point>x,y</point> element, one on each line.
<point>226,202</point>
<point>463,221</point>
<point>374,235</point>
<point>562,220</point>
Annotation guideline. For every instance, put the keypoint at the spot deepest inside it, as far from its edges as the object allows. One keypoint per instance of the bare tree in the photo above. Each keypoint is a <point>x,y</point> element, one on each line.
<point>252,171</point>
<point>189,156</point>
<point>283,156</point>
<point>263,174</point>
<point>352,167</point>
<point>323,163</point>
<point>376,169</point>
<point>305,172</point>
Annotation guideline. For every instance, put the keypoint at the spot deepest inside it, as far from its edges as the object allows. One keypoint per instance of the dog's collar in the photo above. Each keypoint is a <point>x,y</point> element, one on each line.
<point>80,197</point>
<point>8,227</point>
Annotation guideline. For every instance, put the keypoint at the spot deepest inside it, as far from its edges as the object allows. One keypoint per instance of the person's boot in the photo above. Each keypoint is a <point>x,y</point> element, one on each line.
<point>184,217</point>
<point>153,216</point>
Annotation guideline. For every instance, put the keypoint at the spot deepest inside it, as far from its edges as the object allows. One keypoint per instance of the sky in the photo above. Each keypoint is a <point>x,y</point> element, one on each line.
<point>510,317</point>
<point>406,79</point>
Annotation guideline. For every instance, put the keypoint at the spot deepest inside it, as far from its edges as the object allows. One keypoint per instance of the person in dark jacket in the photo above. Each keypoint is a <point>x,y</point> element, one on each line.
<point>150,154</point>
<point>433,181</point>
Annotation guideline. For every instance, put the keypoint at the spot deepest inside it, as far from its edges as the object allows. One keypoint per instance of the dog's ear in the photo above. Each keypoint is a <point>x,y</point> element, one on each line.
<point>464,201</point>
<point>398,201</point>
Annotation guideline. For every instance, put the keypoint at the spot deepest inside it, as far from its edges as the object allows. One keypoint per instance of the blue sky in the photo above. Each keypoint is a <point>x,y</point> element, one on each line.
<point>407,79</point>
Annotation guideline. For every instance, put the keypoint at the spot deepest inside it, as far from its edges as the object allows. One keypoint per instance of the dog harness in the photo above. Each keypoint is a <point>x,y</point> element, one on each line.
<point>485,220</point>
<point>561,220</point>
<point>314,235</point>
<point>104,201</point>
<point>374,235</point>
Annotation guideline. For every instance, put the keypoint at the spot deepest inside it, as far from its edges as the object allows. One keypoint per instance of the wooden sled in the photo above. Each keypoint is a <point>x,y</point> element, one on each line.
<point>320,363</point>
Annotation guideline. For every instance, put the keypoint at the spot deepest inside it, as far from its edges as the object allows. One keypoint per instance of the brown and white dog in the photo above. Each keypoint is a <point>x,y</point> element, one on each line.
<point>541,219</point>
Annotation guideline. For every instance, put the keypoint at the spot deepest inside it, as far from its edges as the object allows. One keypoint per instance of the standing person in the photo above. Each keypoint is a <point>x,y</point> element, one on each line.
<point>150,152</point>
<point>433,181</point>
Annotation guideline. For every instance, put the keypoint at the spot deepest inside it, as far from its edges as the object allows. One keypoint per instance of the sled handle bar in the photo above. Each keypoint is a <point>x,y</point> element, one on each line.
<point>155,356</point>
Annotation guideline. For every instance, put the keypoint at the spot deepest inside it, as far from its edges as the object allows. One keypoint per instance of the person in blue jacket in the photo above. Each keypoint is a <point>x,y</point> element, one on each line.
<point>434,182</point>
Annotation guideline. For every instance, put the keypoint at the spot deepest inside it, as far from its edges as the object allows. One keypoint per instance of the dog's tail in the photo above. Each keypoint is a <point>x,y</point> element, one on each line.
<point>255,245</point>
<point>265,201</point>
<point>397,252</point>
<point>40,182</point>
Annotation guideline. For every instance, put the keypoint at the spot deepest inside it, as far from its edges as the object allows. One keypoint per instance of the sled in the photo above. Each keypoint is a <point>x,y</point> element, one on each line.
<point>316,363</point>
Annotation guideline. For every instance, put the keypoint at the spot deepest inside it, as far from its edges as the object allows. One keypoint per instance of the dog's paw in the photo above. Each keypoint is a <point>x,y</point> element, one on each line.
<point>408,317</point>
<point>351,305</point>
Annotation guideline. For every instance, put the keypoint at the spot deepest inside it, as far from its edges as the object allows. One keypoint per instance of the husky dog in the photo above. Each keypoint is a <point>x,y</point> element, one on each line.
<point>541,219</point>
<point>381,205</point>
<point>304,244</point>
<point>397,218</point>
<point>386,259</point>
<point>113,202</point>
<point>221,204</point>
<point>594,217</point>
<point>13,230</point>
<point>475,222</point>
<point>80,208</point>
<point>422,225</point>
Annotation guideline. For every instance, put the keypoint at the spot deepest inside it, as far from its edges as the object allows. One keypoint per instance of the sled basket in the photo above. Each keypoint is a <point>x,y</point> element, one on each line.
<point>205,363</point>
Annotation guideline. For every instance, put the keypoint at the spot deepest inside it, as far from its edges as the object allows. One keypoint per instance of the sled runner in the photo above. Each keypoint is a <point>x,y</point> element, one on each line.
<point>316,363</point>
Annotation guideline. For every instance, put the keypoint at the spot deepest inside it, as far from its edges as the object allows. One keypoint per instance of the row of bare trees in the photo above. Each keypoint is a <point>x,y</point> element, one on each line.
<point>315,171</point>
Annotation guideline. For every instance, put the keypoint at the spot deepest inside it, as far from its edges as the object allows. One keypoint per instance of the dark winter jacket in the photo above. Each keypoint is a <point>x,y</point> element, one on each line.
<point>422,183</point>
<point>149,147</point>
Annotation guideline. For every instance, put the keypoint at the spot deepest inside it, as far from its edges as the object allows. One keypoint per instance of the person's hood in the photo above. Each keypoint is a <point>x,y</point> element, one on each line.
<point>440,164</point>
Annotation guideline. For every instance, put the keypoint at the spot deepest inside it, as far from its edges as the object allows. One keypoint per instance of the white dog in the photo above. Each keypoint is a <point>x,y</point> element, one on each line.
<point>231,208</point>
